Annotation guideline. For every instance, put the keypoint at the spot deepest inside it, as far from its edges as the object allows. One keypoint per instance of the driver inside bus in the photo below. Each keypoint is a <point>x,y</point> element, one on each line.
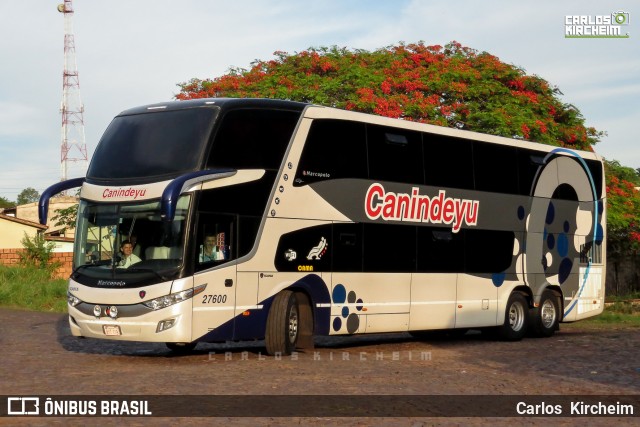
<point>128,257</point>
<point>213,249</point>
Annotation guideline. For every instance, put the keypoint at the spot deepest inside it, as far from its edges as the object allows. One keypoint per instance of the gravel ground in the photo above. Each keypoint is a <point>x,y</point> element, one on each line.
<point>40,357</point>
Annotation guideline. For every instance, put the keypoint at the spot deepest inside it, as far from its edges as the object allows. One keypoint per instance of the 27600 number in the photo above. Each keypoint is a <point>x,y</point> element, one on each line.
<point>214,299</point>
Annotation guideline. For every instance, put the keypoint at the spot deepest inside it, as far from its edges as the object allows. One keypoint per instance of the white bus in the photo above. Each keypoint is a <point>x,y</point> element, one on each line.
<point>276,220</point>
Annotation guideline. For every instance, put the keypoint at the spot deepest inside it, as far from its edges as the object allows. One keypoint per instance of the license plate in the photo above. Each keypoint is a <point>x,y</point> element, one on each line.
<point>111,330</point>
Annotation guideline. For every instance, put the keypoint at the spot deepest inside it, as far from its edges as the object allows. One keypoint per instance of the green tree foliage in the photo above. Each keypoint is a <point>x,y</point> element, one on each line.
<point>623,210</point>
<point>28,195</point>
<point>453,86</point>
<point>6,203</point>
<point>66,217</point>
<point>37,252</point>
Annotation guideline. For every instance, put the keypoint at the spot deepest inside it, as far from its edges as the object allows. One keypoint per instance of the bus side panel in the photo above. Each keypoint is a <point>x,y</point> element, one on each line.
<point>215,306</point>
<point>477,301</point>
<point>250,317</point>
<point>433,301</point>
<point>375,299</point>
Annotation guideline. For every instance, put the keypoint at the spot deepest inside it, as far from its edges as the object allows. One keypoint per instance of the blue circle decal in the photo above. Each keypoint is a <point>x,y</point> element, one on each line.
<point>551,213</point>
<point>551,241</point>
<point>498,279</point>
<point>359,306</point>
<point>339,294</point>
<point>521,212</point>
<point>564,270</point>
<point>563,245</point>
<point>566,226</point>
<point>345,312</point>
<point>337,324</point>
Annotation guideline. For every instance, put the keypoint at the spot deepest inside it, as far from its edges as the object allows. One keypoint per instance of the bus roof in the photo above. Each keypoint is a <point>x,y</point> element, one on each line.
<point>224,103</point>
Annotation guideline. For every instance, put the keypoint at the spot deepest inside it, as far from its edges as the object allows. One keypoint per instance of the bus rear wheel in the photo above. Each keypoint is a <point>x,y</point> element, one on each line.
<point>516,318</point>
<point>545,318</point>
<point>283,324</point>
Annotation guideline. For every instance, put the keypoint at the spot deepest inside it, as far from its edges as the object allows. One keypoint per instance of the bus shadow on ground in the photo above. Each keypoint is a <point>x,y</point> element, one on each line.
<point>436,339</point>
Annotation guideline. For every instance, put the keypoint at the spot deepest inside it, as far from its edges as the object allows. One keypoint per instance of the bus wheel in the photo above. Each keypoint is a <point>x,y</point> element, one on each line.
<point>546,317</point>
<point>283,324</point>
<point>516,318</point>
<point>181,347</point>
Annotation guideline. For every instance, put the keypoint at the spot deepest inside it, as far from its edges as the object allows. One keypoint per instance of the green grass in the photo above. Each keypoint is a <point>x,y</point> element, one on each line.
<point>32,289</point>
<point>621,314</point>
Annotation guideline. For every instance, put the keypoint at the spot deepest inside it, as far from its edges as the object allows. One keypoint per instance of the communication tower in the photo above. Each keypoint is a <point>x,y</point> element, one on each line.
<point>73,148</point>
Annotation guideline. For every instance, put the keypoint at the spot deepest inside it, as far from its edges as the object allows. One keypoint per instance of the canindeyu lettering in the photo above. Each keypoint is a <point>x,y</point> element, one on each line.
<point>416,207</point>
<point>122,192</point>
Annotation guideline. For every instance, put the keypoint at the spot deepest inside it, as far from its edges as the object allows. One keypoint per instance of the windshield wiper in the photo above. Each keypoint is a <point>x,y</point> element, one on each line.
<point>92,264</point>
<point>147,270</point>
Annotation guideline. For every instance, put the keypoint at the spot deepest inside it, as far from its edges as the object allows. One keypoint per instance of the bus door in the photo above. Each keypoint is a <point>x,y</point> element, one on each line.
<point>213,309</point>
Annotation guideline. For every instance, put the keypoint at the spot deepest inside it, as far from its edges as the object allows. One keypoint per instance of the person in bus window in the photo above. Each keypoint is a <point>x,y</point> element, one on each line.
<point>128,257</point>
<point>137,249</point>
<point>213,249</point>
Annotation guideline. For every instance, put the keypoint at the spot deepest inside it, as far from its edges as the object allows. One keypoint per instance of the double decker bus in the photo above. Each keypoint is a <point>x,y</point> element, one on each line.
<point>265,219</point>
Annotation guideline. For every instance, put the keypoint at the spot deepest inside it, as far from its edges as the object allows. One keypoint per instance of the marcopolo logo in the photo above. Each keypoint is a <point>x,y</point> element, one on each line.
<point>597,26</point>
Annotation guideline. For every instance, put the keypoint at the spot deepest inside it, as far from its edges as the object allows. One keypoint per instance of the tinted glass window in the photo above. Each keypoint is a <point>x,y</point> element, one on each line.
<point>488,251</point>
<point>394,154</point>
<point>389,248</point>
<point>448,162</point>
<point>595,168</point>
<point>249,198</point>
<point>347,247</point>
<point>153,144</point>
<point>440,250</point>
<point>216,239</point>
<point>236,211</point>
<point>495,168</point>
<point>252,139</point>
<point>528,164</point>
<point>334,149</point>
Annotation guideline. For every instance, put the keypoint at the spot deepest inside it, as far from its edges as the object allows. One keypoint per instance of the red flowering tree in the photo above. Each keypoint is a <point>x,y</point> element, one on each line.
<point>451,86</point>
<point>623,215</point>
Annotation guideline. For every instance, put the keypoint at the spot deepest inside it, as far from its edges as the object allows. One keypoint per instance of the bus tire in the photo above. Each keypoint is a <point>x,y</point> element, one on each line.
<point>516,318</point>
<point>281,335</point>
<point>181,347</point>
<point>545,318</point>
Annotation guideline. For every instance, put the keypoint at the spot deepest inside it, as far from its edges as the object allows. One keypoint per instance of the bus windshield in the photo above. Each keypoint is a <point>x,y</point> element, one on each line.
<point>153,145</point>
<point>128,243</point>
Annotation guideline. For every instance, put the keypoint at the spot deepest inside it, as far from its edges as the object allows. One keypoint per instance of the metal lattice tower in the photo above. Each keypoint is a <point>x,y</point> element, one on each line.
<point>73,148</point>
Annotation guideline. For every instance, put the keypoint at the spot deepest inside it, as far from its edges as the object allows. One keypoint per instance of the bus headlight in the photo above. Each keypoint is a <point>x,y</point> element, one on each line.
<point>168,300</point>
<point>72,299</point>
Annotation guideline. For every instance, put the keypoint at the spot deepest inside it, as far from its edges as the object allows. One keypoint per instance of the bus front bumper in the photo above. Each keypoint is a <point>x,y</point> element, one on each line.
<point>170,324</point>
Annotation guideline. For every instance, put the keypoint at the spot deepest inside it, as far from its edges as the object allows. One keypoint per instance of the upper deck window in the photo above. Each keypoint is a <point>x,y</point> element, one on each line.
<point>149,145</point>
<point>252,139</point>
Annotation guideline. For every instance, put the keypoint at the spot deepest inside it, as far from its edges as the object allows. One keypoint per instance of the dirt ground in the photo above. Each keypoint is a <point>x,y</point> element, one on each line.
<point>40,357</point>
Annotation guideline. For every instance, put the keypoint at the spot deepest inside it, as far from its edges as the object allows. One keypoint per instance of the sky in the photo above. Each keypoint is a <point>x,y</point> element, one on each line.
<point>137,52</point>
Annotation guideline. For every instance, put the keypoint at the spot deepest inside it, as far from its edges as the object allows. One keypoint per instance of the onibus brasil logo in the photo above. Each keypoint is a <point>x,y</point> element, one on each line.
<point>596,26</point>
